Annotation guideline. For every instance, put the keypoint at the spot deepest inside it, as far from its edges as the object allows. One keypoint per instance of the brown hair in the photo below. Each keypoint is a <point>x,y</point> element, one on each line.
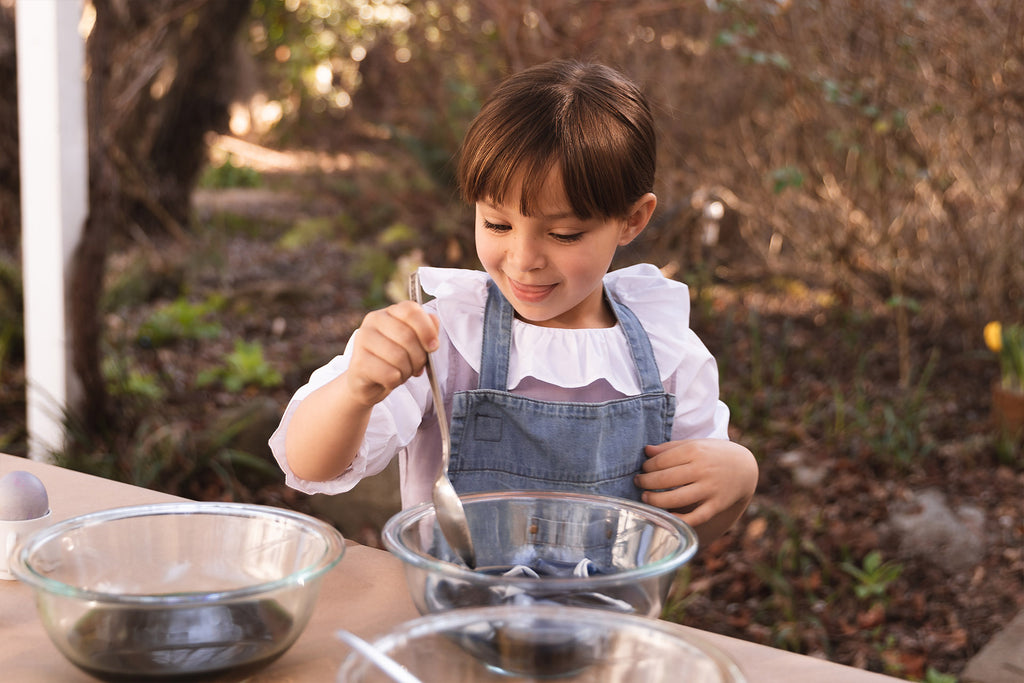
<point>589,119</point>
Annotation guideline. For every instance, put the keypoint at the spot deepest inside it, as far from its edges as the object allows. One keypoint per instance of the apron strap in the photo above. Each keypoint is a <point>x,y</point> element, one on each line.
<point>639,347</point>
<point>497,343</point>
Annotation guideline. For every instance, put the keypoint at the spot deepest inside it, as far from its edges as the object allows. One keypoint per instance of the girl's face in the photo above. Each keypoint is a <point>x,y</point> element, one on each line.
<point>550,265</point>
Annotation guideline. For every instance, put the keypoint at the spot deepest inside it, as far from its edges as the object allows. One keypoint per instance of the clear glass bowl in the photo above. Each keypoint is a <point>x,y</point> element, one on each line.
<point>544,642</point>
<point>177,588</point>
<point>633,549</point>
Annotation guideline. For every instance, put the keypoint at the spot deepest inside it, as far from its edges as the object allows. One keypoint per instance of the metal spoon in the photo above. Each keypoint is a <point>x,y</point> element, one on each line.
<point>393,669</point>
<point>451,516</point>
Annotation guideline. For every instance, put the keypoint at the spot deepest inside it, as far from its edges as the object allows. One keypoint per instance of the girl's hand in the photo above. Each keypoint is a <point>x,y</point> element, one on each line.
<point>390,347</point>
<point>328,426</point>
<point>708,483</point>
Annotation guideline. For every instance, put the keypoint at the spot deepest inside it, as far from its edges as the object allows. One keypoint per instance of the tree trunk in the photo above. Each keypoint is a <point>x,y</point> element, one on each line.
<point>159,79</point>
<point>196,102</point>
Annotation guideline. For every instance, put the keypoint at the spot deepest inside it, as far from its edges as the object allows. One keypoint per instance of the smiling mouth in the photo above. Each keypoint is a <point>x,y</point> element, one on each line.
<point>529,293</point>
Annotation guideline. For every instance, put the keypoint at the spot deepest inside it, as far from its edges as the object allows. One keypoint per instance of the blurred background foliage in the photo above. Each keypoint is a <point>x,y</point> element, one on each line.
<point>874,147</point>
<point>868,156</point>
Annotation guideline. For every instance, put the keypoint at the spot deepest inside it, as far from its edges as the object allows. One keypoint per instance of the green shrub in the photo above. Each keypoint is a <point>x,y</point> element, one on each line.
<point>245,366</point>
<point>230,174</point>
<point>181,320</point>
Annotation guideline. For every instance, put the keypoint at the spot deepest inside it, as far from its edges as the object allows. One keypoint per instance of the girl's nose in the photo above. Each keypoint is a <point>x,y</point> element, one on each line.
<point>525,253</point>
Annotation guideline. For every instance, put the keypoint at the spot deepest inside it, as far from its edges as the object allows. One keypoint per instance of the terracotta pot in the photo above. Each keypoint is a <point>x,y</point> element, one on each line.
<point>1008,408</point>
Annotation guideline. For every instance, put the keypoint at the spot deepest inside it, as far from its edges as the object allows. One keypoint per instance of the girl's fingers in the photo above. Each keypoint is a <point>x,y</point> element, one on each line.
<point>405,327</point>
<point>689,498</point>
<point>658,448</point>
<point>387,342</point>
<point>669,454</point>
<point>669,478</point>
<point>390,347</point>
<point>423,325</point>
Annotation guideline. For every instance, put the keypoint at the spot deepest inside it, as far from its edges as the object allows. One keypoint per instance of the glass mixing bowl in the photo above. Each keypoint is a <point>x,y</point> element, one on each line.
<point>177,588</point>
<point>544,642</point>
<point>586,550</point>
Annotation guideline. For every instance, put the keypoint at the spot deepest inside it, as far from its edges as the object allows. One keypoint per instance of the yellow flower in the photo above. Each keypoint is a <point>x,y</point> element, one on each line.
<point>994,336</point>
<point>1007,342</point>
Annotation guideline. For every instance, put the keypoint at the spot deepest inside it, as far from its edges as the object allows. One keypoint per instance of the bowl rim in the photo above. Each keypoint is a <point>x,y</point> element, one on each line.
<point>431,624</point>
<point>334,549</point>
<point>391,538</point>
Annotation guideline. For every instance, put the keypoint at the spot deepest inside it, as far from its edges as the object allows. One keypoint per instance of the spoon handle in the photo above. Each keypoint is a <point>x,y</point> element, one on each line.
<point>451,516</point>
<point>416,294</point>
<point>393,669</point>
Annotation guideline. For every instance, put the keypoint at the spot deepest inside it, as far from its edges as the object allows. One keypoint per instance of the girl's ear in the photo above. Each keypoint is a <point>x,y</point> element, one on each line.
<point>637,219</point>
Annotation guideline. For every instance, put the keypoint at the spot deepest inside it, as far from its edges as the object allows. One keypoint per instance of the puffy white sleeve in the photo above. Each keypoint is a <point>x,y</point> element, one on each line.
<point>687,367</point>
<point>395,421</point>
<point>700,413</point>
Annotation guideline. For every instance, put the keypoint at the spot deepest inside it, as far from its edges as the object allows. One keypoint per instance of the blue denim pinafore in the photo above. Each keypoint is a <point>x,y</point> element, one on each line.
<point>501,441</point>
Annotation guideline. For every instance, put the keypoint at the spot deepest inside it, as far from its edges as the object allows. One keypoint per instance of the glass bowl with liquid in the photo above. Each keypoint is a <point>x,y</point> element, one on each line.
<point>177,589</point>
<point>510,643</point>
<point>571,549</point>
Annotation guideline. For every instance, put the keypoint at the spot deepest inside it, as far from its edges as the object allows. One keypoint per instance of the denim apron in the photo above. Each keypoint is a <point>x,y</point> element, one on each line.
<point>500,441</point>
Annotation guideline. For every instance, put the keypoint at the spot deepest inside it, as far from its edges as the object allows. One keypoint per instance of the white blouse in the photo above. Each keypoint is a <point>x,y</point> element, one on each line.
<point>547,363</point>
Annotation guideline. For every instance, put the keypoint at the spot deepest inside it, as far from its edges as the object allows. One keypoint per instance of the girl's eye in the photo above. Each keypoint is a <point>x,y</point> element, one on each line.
<point>564,238</point>
<point>568,238</point>
<point>494,227</point>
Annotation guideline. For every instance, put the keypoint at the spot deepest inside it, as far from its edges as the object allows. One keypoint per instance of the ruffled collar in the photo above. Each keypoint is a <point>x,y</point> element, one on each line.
<point>565,357</point>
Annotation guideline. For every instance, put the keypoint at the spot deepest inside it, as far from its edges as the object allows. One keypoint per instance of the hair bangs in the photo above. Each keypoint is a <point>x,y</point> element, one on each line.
<point>586,120</point>
<point>500,152</point>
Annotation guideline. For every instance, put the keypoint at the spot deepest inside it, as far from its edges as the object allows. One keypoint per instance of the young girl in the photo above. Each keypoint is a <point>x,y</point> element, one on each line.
<point>557,374</point>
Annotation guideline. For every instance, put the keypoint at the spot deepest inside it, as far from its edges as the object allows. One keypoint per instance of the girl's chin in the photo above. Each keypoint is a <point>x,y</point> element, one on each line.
<point>532,313</point>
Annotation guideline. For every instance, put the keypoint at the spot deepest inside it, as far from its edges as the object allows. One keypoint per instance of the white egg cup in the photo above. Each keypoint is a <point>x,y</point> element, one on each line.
<point>13,531</point>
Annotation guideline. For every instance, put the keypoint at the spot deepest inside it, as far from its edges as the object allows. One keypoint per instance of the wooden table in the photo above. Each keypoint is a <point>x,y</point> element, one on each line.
<point>365,593</point>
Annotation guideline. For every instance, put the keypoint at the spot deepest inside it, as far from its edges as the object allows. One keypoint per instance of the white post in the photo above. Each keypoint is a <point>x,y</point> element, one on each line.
<point>54,204</point>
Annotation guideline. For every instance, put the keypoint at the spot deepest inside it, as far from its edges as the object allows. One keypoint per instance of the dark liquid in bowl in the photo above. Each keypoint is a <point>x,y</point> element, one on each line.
<point>444,594</point>
<point>535,647</point>
<point>131,643</point>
